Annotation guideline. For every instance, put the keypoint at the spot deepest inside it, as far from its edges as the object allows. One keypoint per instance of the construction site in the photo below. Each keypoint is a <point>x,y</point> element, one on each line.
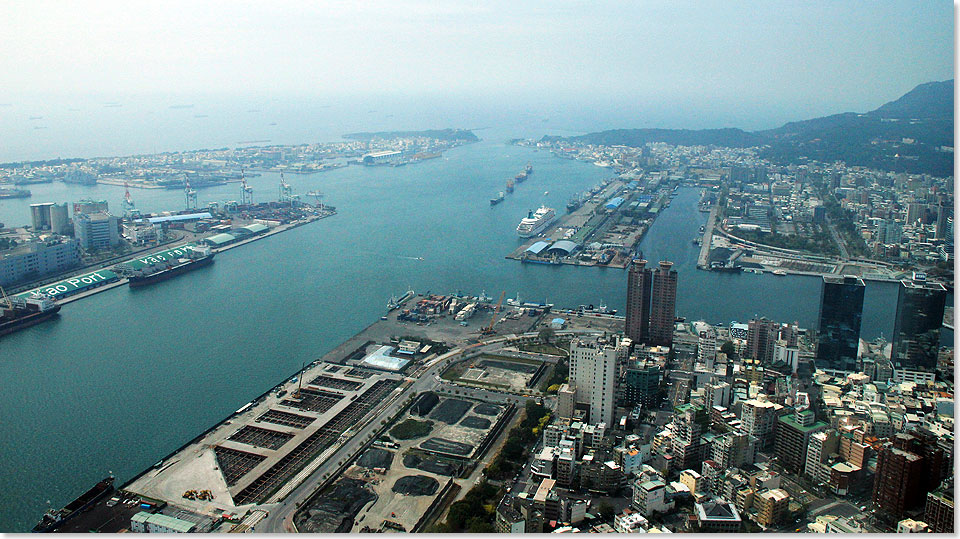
<point>407,475</point>
<point>250,458</point>
<point>371,425</point>
<point>499,372</point>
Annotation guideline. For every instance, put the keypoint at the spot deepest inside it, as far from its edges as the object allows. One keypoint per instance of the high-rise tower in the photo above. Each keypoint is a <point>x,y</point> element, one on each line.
<point>916,328</point>
<point>841,309</point>
<point>639,280</point>
<point>663,305</point>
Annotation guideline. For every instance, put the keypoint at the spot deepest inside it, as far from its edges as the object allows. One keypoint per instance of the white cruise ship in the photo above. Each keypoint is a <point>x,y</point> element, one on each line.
<point>535,222</point>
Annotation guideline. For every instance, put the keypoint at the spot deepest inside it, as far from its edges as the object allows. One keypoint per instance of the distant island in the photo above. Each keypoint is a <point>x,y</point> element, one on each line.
<point>913,134</point>
<point>449,135</point>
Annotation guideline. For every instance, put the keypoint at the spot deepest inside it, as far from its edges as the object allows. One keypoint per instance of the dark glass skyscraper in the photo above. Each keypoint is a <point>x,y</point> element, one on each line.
<point>916,329</point>
<point>841,310</point>
<point>639,280</point>
<point>663,305</point>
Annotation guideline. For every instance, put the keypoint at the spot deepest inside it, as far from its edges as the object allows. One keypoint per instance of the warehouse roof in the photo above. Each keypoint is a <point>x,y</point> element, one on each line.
<point>184,217</point>
<point>566,246</point>
<point>171,523</point>
<point>614,202</point>
<point>381,359</point>
<point>537,248</point>
<point>256,228</point>
<point>220,239</point>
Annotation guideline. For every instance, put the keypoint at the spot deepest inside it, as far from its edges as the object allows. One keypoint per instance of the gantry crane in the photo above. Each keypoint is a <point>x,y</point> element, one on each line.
<point>246,192</point>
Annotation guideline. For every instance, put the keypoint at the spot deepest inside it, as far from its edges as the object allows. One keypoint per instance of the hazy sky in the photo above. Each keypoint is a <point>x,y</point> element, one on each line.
<point>811,56</point>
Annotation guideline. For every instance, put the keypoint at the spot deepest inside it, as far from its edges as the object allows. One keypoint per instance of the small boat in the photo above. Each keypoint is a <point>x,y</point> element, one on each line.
<point>780,272</point>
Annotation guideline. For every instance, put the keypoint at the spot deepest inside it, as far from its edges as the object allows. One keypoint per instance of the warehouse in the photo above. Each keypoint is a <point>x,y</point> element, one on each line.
<point>219,240</point>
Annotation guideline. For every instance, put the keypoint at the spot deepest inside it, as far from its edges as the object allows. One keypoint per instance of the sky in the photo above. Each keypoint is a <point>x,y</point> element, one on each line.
<point>799,59</point>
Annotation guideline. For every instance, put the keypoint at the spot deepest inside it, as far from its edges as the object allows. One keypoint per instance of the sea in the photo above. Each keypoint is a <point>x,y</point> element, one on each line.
<point>124,377</point>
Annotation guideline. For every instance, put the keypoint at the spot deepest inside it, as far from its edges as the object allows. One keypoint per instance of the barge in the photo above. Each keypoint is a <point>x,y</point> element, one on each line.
<point>52,519</point>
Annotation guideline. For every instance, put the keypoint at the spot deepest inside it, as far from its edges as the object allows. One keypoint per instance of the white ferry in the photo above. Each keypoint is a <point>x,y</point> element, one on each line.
<point>535,222</point>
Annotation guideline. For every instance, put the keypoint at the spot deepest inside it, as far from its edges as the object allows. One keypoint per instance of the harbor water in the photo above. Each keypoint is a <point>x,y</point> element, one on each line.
<point>126,376</point>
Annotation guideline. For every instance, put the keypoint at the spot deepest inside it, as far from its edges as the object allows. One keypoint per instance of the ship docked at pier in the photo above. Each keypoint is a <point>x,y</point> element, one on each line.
<point>52,519</point>
<point>18,312</point>
<point>196,256</point>
<point>535,222</point>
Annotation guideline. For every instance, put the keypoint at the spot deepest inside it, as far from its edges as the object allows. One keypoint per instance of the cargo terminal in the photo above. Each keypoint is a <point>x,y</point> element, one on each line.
<point>309,431</point>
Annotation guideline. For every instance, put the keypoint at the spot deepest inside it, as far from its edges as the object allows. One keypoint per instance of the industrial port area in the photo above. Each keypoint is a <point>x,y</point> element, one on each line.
<point>382,433</point>
<point>604,225</point>
<point>165,245</point>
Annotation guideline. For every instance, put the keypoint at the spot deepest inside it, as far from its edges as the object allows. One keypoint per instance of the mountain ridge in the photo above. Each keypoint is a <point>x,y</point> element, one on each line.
<point>903,135</point>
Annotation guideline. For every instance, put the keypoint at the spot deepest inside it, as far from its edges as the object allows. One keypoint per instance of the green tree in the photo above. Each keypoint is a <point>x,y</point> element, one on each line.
<point>479,525</point>
<point>728,348</point>
<point>547,334</point>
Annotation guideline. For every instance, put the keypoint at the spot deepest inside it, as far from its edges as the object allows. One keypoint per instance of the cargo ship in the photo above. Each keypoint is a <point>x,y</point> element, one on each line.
<point>535,222</point>
<point>520,177</point>
<point>575,203</point>
<point>528,169</point>
<point>497,199</point>
<point>18,313</point>
<point>15,193</point>
<point>53,519</point>
<point>395,303</point>
<point>590,309</point>
<point>197,256</point>
<point>509,186</point>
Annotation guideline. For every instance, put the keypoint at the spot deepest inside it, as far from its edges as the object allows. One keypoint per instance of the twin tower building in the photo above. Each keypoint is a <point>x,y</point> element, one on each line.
<point>651,306</point>
<point>651,303</point>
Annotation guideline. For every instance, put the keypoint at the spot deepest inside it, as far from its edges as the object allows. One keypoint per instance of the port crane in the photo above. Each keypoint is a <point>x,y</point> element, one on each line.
<point>5,299</point>
<point>191,195</point>
<point>318,196</point>
<point>246,192</point>
<point>493,319</point>
<point>286,192</point>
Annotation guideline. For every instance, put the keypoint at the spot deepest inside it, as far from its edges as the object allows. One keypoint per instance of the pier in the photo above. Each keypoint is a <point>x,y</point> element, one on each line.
<point>617,228</point>
<point>77,287</point>
<point>703,261</point>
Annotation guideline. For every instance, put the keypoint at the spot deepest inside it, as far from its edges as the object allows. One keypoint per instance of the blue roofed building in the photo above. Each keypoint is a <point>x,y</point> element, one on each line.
<point>613,203</point>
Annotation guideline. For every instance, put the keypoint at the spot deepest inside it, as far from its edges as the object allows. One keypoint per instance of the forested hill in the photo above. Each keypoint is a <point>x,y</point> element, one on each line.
<point>905,135</point>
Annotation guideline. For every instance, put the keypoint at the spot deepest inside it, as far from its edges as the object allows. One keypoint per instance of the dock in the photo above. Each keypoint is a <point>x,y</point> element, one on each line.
<point>89,281</point>
<point>703,261</point>
<point>596,222</point>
